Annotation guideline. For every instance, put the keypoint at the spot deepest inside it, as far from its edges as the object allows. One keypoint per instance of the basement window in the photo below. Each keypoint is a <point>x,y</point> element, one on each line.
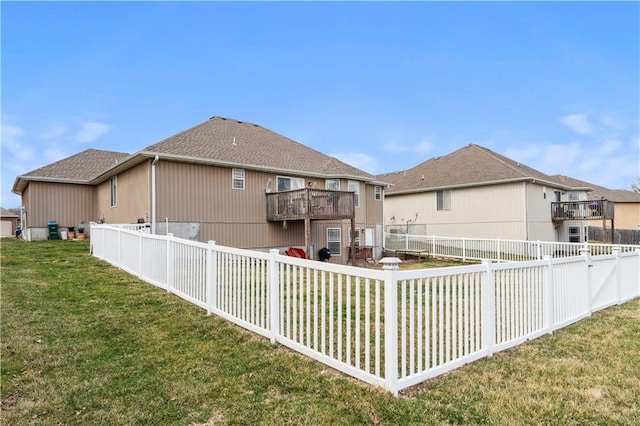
<point>334,241</point>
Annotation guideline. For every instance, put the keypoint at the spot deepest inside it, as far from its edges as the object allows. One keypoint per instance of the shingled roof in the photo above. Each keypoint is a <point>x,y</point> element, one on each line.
<point>231,142</point>
<point>599,192</point>
<point>79,168</point>
<point>471,165</point>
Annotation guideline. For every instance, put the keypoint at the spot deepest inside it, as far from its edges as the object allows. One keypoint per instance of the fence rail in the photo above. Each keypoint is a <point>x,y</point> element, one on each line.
<point>386,327</point>
<point>494,249</point>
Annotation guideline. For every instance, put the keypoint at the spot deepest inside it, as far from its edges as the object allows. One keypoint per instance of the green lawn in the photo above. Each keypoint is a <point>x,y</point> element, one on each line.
<point>85,343</point>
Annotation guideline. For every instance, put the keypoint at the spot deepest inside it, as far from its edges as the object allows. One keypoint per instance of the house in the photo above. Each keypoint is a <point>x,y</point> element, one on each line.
<point>626,207</point>
<point>62,191</point>
<point>9,223</point>
<point>475,192</point>
<point>230,181</point>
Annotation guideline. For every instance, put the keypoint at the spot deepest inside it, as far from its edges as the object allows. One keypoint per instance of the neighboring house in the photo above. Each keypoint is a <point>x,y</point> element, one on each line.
<point>475,192</point>
<point>9,222</point>
<point>233,182</point>
<point>626,204</point>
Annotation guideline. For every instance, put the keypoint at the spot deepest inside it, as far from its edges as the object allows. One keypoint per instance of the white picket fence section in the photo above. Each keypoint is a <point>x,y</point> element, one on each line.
<point>494,249</point>
<point>390,328</point>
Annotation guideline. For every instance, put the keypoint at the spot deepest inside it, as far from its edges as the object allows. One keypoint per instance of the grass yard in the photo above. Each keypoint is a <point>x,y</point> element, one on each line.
<point>85,343</point>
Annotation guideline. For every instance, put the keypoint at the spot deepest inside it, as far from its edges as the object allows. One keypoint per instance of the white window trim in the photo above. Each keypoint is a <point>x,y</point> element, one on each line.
<point>113,191</point>
<point>356,200</point>
<point>238,178</point>
<point>292,179</point>
<point>326,184</point>
<point>339,241</point>
<point>444,203</point>
<point>377,193</point>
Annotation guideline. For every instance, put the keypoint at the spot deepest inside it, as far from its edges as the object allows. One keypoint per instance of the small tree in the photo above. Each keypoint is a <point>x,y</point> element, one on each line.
<point>635,186</point>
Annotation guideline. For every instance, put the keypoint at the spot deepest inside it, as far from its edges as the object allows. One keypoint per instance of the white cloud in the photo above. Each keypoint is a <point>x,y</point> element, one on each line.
<point>395,145</point>
<point>11,138</point>
<point>92,130</point>
<point>423,146</point>
<point>578,123</point>
<point>54,132</point>
<point>360,160</point>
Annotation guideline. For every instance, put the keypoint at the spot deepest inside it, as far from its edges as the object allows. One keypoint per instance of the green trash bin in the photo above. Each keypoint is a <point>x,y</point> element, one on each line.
<point>53,230</point>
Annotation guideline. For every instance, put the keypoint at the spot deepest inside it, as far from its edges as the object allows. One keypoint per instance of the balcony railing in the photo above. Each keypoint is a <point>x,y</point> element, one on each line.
<point>310,203</point>
<point>582,210</point>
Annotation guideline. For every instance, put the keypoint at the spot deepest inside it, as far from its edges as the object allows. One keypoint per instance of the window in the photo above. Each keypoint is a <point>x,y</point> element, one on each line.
<point>573,196</point>
<point>377,191</point>
<point>114,191</point>
<point>443,199</point>
<point>334,241</point>
<point>289,183</point>
<point>354,186</point>
<point>237,179</point>
<point>574,234</point>
<point>332,184</point>
<point>356,237</point>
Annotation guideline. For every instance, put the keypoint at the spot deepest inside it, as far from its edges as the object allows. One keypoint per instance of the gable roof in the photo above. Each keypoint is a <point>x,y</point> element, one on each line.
<point>79,168</point>
<point>6,213</point>
<point>471,165</point>
<point>230,142</point>
<point>598,192</point>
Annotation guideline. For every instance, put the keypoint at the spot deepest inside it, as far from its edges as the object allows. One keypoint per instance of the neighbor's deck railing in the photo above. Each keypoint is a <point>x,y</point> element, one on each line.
<point>494,249</point>
<point>582,210</point>
<point>390,328</point>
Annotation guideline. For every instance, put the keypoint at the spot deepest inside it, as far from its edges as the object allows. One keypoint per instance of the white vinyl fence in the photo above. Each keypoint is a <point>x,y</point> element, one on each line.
<point>387,327</point>
<point>493,249</point>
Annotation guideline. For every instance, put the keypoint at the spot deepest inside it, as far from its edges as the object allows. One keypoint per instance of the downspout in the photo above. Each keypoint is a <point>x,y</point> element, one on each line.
<point>153,194</point>
<point>526,212</point>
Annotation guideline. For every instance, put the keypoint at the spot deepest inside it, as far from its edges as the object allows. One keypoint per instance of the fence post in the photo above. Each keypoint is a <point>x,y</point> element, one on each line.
<point>616,251</point>
<point>140,257</point>
<point>587,255</point>
<point>433,246</point>
<point>119,248</point>
<point>638,253</point>
<point>211,276</point>
<point>538,250</point>
<point>549,301</point>
<point>464,249</point>
<point>499,254</point>
<point>274,294</point>
<point>390,267</point>
<point>488,308</point>
<point>406,241</point>
<point>170,262</point>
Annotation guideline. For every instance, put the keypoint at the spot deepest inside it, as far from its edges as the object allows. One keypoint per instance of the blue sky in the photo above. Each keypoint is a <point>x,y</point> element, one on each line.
<point>382,86</point>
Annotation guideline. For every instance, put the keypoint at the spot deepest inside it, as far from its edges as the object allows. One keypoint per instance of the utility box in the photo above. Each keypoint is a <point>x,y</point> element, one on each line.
<point>53,230</point>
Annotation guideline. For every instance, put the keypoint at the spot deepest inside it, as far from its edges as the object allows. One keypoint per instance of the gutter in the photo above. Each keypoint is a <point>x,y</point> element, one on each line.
<point>153,194</point>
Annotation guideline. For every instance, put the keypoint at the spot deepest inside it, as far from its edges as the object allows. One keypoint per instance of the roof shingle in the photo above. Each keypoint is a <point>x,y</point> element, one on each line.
<point>81,167</point>
<point>470,165</point>
<point>231,141</point>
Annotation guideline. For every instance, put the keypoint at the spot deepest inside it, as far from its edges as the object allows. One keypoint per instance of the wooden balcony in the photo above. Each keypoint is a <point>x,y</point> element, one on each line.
<point>582,210</point>
<point>311,204</point>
